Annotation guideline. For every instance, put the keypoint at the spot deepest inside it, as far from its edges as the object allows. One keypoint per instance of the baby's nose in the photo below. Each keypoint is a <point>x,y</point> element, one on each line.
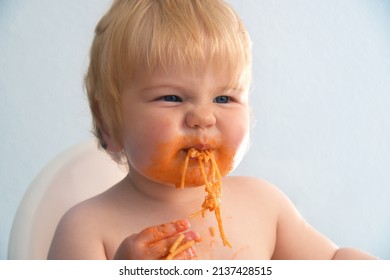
<point>200,117</point>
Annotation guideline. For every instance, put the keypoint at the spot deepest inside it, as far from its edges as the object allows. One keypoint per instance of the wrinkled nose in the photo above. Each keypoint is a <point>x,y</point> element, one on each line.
<point>200,117</point>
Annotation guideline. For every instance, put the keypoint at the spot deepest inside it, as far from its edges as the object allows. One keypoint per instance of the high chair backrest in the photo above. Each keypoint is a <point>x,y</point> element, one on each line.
<point>71,177</point>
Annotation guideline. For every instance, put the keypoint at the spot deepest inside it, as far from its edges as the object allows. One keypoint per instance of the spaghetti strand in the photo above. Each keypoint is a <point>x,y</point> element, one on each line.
<point>212,201</point>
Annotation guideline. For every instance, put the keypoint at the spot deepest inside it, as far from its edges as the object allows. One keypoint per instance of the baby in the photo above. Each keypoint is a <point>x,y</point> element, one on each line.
<point>168,78</point>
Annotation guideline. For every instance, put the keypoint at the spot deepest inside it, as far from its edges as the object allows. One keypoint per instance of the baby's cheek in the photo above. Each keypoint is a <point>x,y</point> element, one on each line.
<point>165,172</point>
<point>226,163</point>
<point>165,165</point>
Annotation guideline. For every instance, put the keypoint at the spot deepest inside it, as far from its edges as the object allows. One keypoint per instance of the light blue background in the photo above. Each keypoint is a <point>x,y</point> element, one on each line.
<point>321,98</point>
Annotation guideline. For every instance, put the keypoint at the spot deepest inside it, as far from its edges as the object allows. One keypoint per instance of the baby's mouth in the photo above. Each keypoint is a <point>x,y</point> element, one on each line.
<point>203,147</point>
<point>195,150</point>
<point>198,147</point>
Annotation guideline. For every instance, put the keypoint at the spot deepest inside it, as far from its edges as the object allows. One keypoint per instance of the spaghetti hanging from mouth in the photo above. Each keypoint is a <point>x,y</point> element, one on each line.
<point>212,201</point>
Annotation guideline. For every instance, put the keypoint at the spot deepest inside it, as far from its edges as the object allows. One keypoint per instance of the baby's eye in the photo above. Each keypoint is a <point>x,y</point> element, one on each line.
<point>171,98</point>
<point>222,99</point>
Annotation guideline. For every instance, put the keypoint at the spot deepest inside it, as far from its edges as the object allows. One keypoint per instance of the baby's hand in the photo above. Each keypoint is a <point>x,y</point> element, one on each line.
<point>153,243</point>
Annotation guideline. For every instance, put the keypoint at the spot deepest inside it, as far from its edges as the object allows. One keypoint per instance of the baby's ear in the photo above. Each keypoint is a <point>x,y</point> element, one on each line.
<point>107,141</point>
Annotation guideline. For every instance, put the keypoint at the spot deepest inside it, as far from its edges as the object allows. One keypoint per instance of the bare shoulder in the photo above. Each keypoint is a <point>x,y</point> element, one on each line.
<point>252,188</point>
<point>75,218</point>
<point>249,182</point>
<point>78,233</point>
<point>294,238</point>
<point>262,194</point>
<point>257,196</point>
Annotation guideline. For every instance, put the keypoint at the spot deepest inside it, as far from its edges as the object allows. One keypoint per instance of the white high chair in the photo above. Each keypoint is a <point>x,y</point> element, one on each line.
<point>78,173</point>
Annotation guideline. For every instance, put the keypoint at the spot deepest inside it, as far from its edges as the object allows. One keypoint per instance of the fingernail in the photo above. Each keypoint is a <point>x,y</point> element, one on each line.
<point>182,225</point>
<point>192,235</point>
<point>191,253</point>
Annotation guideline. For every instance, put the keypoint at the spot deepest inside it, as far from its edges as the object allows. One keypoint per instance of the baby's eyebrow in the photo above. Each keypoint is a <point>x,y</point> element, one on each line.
<point>231,90</point>
<point>161,86</point>
<point>177,87</point>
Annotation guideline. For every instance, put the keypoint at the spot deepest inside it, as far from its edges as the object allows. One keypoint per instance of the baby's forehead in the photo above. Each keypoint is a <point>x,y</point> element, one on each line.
<point>193,68</point>
<point>225,76</point>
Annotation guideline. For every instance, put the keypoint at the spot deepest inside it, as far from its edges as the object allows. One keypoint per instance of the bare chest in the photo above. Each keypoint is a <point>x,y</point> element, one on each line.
<point>250,238</point>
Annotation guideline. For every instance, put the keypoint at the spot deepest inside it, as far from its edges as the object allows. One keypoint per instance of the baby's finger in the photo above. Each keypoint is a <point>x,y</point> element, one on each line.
<point>189,254</point>
<point>156,233</point>
<point>183,247</point>
<point>159,249</point>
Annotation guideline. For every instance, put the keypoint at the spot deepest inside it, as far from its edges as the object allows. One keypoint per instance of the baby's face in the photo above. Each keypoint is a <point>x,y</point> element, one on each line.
<point>168,112</point>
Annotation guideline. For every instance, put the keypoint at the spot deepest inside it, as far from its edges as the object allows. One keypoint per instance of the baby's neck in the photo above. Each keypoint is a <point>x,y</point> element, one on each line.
<point>163,192</point>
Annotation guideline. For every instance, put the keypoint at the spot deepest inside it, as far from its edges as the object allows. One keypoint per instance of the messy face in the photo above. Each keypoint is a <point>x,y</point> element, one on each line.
<point>168,163</point>
<point>168,112</point>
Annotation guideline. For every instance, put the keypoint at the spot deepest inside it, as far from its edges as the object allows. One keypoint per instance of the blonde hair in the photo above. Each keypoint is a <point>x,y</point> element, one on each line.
<point>154,34</point>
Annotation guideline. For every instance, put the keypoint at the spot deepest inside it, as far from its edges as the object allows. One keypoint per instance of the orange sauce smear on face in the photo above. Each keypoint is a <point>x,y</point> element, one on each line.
<point>166,165</point>
<point>212,201</point>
